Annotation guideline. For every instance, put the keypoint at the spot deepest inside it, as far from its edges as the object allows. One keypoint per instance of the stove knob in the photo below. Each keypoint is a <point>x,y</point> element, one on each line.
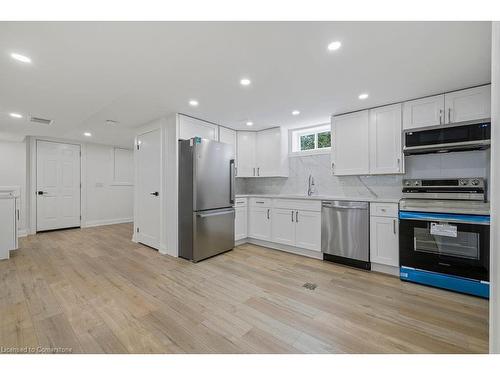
<point>475,182</point>
<point>407,183</point>
<point>463,182</point>
<point>416,183</point>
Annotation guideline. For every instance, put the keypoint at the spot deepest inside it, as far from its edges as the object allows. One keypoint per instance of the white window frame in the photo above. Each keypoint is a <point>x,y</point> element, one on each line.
<point>294,140</point>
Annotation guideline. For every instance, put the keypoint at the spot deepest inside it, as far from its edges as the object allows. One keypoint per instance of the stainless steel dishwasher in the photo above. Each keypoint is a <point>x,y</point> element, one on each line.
<point>345,233</point>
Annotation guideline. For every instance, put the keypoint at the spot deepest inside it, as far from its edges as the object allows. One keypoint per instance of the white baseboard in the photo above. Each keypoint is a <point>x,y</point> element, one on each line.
<point>382,268</point>
<point>22,233</point>
<point>281,247</point>
<point>97,223</point>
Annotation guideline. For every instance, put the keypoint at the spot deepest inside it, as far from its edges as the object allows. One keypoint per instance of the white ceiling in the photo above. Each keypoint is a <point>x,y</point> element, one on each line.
<point>83,73</point>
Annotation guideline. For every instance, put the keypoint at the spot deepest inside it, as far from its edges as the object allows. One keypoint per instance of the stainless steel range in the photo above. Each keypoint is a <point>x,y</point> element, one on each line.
<point>444,234</point>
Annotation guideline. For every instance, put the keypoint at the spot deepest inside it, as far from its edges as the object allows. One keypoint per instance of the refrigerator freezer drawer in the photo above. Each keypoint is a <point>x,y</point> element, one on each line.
<point>213,232</point>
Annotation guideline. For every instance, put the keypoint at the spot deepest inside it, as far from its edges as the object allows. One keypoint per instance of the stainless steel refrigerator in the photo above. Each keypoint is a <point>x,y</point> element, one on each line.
<point>206,198</point>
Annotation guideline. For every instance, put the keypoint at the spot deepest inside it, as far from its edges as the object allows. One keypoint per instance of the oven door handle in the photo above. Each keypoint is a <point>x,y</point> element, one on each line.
<point>448,218</point>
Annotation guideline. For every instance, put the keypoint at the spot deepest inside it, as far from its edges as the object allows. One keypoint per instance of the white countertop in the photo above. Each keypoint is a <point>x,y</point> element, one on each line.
<point>321,197</point>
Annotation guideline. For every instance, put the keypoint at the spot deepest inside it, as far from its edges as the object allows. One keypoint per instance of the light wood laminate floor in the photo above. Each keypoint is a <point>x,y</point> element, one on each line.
<point>94,291</point>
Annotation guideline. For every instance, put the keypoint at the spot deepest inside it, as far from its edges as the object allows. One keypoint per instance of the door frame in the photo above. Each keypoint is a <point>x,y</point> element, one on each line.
<point>31,182</point>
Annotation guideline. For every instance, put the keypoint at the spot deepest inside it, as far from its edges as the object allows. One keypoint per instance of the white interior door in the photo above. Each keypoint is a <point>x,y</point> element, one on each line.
<point>58,185</point>
<point>148,185</point>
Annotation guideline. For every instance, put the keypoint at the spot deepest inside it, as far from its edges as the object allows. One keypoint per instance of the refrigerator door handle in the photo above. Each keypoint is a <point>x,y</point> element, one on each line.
<point>231,181</point>
<point>218,213</point>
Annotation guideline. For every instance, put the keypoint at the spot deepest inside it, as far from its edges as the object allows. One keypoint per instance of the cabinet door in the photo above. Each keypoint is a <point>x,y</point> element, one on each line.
<point>384,243</point>
<point>467,105</point>
<point>268,153</point>
<point>246,154</point>
<point>260,223</point>
<point>385,140</point>
<point>350,144</point>
<point>308,230</point>
<point>240,223</point>
<point>423,112</point>
<point>190,127</point>
<point>283,226</point>
<point>228,136</point>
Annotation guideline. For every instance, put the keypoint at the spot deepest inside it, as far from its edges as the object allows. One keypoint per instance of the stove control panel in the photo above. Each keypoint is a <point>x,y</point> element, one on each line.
<point>445,183</point>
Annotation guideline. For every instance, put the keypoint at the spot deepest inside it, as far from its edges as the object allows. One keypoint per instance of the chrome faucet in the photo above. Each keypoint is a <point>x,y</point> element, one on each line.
<point>310,185</point>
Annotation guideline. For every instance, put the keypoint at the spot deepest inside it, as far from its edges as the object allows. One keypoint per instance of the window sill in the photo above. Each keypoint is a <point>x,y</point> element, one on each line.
<point>309,153</point>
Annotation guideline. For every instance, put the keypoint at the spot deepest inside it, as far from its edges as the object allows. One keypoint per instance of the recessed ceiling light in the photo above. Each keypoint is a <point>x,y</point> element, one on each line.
<point>193,103</point>
<point>19,57</point>
<point>87,134</point>
<point>245,81</point>
<point>333,46</point>
<point>363,96</point>
<point>15,115</point>
<point>295,113</point>
<point>249,123</point>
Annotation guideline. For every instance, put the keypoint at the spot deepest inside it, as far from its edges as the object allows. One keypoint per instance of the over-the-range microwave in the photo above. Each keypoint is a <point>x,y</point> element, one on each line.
<point>476,136</point>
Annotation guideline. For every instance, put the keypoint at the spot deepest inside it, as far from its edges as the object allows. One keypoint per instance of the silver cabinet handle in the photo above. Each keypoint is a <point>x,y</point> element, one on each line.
<point>292,216</point>
<point>155,193</point>
<point>260,202</point>
<point>258,171</point>
<point>296,216</point>
<point>394,226</point>
<point>449,115</point>
<point>440,116</point>
<point>254,171</point>
<point>268,210</point>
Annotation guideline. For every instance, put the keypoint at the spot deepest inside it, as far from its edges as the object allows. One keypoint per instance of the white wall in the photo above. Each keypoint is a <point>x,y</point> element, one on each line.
<point>13,173</point>
<point>169,186</point>
<point>108,201</point>
<point>495,198</point>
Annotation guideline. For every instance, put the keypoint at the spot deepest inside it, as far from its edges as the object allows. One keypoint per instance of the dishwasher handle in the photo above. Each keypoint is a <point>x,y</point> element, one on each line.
<point>345,205</point>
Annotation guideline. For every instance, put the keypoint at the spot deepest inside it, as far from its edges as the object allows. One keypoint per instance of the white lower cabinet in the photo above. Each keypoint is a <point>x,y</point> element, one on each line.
<point>288,222</point>
<point>299,228</point>
<point>283,226</point>
<point>259,225</point>
<point>308,230</point>
<point>240,223</point>
<point>384,235</point>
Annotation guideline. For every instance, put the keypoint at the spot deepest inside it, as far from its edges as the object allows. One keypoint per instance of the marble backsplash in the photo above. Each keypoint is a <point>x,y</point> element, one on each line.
<point>461,164</point>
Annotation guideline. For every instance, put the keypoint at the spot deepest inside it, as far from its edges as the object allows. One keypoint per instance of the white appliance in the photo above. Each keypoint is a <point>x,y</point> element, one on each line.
<point>8,224</point>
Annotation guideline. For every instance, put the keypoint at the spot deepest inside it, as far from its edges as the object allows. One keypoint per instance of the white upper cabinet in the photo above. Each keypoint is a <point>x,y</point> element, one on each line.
<point>453,107</point>
<point>385,140</point>
<point>262,154</point>
<point>423,112</point>
<point>272,156</point>
<point>190,127</point>
<point>245,160</point>
<point>228,136</point>
<point>350,145</point>
<point>467,105</point>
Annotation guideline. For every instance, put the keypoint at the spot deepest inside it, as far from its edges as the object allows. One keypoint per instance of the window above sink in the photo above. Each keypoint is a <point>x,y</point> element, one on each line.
<point>311,140</point>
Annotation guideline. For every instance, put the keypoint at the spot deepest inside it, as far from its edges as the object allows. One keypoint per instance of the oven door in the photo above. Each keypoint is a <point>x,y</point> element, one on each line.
<point>445,243</point>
